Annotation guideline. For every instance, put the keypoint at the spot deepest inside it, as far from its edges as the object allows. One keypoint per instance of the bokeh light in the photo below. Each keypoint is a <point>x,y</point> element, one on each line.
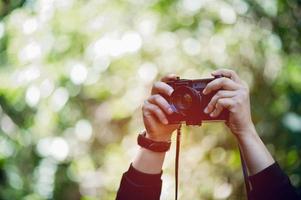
<point>74,74</point>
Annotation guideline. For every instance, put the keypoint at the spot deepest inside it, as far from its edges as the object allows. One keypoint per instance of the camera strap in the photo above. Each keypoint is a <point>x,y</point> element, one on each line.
<point>245,173</point>
<point>177,160</point>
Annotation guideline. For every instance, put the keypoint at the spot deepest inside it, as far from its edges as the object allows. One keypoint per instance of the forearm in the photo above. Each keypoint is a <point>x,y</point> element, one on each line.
<point>254,152</point>
<point>148,162</point>
<point>143,178</point>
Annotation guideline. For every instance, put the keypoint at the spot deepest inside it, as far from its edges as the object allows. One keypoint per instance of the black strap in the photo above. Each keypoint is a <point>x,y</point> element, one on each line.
<point>152,145</point>
<point>245,173</point>
<point>177,160</point>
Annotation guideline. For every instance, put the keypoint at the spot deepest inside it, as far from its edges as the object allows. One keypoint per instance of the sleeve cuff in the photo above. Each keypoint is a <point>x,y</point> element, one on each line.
<point>141,178</point>
<point>268,177</point>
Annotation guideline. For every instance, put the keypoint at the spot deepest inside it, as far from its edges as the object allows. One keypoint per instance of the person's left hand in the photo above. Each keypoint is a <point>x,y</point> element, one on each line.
<point>233,95</point>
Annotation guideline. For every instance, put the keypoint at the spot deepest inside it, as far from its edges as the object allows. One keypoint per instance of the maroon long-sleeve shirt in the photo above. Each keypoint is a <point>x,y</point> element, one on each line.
<point>270,184</point>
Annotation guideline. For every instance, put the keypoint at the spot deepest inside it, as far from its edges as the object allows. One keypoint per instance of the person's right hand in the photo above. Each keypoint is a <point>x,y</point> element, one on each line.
<point>156,109</point>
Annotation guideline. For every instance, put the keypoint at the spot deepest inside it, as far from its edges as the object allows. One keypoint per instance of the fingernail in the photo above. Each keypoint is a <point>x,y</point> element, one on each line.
<point>206,110</point>
<point>165,121</point>
<point>212,115</point>
<point>204,91</point>
<point>170,110</point>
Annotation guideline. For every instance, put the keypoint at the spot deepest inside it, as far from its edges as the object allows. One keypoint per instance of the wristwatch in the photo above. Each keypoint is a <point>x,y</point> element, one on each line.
<point>152,145</point>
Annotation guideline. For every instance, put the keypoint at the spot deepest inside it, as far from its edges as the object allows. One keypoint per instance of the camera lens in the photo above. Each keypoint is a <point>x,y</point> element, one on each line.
<point>185,100</point>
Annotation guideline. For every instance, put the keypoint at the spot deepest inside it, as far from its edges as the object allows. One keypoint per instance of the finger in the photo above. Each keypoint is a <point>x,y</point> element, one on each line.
<point>220,83</point>
<point>219,95</point>
<point>227,73</point>
<point>151,119</point>
<point>217,111</point>
<point>156,111</point>
<point>162,88</point>
<point>161,102</point>
<point>169,77</point>
<point>224,103</point>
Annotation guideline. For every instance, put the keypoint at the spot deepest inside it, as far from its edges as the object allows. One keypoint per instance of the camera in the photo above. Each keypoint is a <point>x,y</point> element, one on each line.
<point>188,102</point>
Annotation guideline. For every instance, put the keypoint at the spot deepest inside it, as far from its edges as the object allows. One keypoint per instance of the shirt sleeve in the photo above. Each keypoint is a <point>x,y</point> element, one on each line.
<point>272,183</point>
<point>138,185</point>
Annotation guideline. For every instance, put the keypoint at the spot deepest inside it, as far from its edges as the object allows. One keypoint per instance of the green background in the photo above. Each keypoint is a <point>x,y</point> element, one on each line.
<point>74,74</point>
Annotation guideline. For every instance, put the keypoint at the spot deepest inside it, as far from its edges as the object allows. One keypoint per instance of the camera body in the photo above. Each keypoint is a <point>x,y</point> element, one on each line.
<point>188,102</point>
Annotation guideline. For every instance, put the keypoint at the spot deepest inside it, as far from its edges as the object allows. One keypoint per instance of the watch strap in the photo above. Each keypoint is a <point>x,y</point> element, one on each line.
<point>156,146</point>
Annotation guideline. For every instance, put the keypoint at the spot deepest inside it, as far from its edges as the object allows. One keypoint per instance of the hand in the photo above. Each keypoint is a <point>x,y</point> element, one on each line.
<point>156,109</point>
<point>233,95</point>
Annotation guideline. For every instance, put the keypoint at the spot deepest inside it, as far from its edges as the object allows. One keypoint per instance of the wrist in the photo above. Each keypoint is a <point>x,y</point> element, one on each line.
<point>247,135</point>
<point>148,161</point>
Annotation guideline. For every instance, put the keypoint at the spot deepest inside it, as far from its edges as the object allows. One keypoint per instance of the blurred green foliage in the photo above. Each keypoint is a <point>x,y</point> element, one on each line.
<point>73,75</point>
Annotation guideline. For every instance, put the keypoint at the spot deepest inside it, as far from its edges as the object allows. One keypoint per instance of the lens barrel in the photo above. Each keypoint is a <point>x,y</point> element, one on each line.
<point>185,99</point>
